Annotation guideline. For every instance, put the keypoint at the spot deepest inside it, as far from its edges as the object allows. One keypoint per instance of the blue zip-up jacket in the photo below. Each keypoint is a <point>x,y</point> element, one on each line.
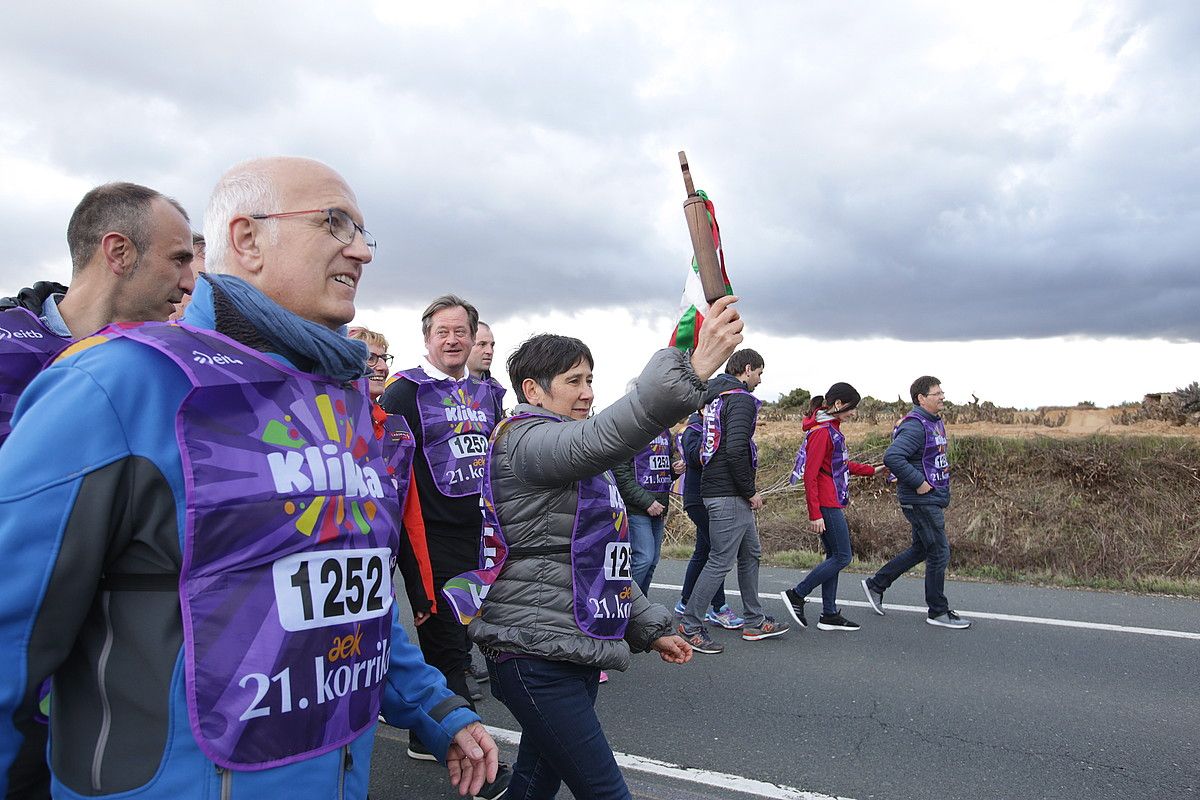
<point>91,482</point>
<point>903,458</point>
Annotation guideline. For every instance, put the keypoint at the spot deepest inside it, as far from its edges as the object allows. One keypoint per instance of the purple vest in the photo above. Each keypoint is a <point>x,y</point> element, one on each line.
<point>291,527</point>
<point>681,482</point>
<point>399,450</point>
<point>26,346</point>
<point>600,555</point>
<point>710,421</point>
<point>839,460</point>
<point>934,462</point>
<point>456,419</point>
<point>652,466</point>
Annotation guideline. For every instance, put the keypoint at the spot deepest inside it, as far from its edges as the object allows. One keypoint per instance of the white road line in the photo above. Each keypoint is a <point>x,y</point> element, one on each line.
<point>718,780</point>
<point>1060,623</point>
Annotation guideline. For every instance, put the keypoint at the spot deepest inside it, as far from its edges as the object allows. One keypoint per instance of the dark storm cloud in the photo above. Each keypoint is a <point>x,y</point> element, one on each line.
<point>874,175</point>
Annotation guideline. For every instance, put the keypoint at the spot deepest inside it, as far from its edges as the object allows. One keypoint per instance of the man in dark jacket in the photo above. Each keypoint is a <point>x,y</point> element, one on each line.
<point>917,457</point>
<point>727,485</point>
<point>451,414</point>
<point>693,505</point>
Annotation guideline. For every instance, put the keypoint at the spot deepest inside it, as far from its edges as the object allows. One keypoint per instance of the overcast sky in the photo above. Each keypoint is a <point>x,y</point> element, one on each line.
<point>923,175</point>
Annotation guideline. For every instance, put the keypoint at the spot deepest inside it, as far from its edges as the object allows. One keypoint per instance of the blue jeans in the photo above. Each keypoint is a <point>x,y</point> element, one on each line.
<point>838,555</point>
<point>929,544</point>
<point>561,738</point>
<point>698,514</point>
<point>645,540</point>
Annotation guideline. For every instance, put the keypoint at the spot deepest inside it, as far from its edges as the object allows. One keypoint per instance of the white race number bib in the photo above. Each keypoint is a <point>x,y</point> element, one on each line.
<point>329,587</point>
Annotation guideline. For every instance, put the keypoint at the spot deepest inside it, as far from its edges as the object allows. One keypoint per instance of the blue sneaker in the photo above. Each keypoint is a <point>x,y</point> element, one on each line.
<point>726,618</point>
<point>680,607</point>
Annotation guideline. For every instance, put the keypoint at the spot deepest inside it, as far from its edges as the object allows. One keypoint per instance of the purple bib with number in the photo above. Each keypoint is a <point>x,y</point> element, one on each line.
<point>652,466</point>
<point>291,528</point>
<point>26,346</point>
<point>601,573</point>
<point>456,419</point>
<point>934,462</point>
<point>710,422</point>
<point>839,460</point>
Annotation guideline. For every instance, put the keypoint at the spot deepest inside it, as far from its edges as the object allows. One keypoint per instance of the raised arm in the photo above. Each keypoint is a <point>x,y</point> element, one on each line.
<point>554,454</point>
<point>670,386</point>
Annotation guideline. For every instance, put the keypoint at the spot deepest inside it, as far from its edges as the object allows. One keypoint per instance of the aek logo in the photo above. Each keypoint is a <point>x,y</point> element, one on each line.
<point>5,334</point>
<point>210,359</point>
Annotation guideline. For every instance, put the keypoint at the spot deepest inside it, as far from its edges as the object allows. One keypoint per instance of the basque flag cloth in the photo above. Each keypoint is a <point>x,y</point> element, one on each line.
<point>693,306</point>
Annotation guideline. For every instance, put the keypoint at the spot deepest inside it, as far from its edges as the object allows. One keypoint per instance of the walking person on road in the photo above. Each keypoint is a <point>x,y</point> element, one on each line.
<point>917,457</point>
<point>824,466</point>
<point>553,601</point>
<point>451,414</point>
<point>693,505</point>
<point>727,484</point>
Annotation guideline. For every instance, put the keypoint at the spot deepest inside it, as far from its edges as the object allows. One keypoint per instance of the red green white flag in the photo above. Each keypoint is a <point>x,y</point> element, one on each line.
<point>693,306</point>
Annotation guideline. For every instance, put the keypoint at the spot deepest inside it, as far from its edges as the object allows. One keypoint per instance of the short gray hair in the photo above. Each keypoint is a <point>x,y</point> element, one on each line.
<point>246,188</point>
<point>122,208</point>
<point>441,304</point>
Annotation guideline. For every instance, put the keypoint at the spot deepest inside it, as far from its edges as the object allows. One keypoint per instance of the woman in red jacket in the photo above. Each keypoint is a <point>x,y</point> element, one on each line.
<point>824,465</point>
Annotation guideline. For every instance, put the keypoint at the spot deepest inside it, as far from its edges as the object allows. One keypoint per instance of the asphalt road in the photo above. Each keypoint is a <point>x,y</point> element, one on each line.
<point>900,709</point>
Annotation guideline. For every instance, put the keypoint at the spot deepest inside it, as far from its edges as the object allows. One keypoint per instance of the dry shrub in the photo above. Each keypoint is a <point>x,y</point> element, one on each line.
<point>1180,407</point>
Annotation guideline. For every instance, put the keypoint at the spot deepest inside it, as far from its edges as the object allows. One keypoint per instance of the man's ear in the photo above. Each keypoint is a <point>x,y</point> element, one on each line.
<point>245,242</point>
<point>533,393</point>
<point>118,253</point>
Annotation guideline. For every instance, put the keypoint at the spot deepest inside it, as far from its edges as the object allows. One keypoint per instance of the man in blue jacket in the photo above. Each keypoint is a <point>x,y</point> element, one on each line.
<point>130,251</point>
<point>200,531</point>
<point>917,457</point>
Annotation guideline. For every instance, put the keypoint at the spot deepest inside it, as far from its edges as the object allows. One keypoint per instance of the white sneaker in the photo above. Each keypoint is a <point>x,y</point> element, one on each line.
<point>949,620</point>
<point>874,597</point>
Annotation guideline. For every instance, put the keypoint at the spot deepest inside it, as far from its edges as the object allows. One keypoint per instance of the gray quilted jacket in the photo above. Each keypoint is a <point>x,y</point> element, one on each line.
<point>536,465</point>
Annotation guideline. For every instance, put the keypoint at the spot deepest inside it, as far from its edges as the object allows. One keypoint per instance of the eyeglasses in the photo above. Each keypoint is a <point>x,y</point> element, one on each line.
<point>373,359</point>
<point>936,394</point>
<point>341,227</point>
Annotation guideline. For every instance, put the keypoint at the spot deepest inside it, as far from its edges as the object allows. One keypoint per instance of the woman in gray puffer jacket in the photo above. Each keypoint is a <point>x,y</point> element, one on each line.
<point>562,606</point>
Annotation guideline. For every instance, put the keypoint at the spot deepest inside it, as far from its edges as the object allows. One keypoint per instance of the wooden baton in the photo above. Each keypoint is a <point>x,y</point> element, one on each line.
<point>711,279</point>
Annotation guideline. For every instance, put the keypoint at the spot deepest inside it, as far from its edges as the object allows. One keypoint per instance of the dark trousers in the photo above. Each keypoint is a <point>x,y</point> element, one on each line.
<point>838,555</point>
<point>929,544</point>
<point>442,638</point>
<point>698,514</point>
<point>561,737</point>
